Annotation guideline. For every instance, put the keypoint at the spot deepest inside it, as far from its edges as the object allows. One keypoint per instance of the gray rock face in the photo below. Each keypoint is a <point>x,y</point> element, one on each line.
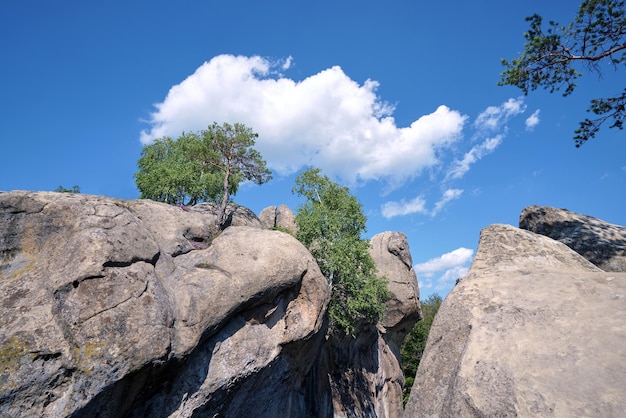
<point>268,217</point>
<point>111,308</point>
<point>236,215</point>
<point>279,217</point>
<point>533,330</point>
<point>390,251</point>
<point>602,243</point>
<point>366,379</point>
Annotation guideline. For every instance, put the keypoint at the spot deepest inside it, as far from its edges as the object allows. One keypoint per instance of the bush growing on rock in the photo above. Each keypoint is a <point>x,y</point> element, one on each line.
<point>330,224</point>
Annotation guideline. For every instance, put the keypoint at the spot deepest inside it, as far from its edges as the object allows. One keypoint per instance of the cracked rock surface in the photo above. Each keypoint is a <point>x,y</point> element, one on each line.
<point>130,308</point>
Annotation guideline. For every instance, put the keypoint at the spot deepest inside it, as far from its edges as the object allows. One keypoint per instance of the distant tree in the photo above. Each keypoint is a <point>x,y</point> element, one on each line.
<point>330,224</point>
<point>597,35</point>
<point>415,342</point>
<point>61,189</point>
<point>203,166</point>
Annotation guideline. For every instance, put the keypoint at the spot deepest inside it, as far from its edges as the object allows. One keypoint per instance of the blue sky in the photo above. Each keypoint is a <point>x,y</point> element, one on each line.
<point>397,100</point>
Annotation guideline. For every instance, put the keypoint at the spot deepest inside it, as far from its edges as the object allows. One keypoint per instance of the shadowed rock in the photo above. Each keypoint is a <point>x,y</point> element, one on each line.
<point>602,243</point>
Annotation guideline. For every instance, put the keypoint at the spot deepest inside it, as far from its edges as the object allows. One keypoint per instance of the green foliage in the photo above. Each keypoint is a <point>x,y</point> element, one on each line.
<point>61,189</point>
<point>597,34</point>
<point>330,224</point>
<point>234,158</point>
<point>414,344</point>
<point>176,171</point>
<point>200,166</point>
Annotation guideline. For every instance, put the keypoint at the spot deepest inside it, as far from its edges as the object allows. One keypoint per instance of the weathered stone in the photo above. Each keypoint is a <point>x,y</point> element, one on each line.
<point>602,243</point>
<point>366,379</point>
<point>390,251</point>
<point>534,329</point>
<point>236,215</point>
<point>281,217</point>
<point>286,219</point>
<point>111,308</point>
<point>268,217</point>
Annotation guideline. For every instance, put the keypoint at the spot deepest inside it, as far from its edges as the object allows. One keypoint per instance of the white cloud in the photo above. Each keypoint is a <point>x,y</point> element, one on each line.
<point>449,278</point>
<point>462,166</point>
<point>532,120</point>
<point>326,120</point>
<point>448,196</point>
<point>440,274</point>
<point>491,120</point>
<point>447,261</point>
<point>494,117</point>
<point>416,205</point>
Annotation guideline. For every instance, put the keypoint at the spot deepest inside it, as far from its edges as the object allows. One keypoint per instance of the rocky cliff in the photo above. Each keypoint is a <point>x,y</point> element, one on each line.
<point>113,308</point>
<point>534,329</point>
<point>116,308</point>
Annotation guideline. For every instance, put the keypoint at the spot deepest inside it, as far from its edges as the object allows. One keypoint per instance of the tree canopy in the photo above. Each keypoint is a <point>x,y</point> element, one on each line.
<point>61,189</point>
<point>552,57</point>
<point>201,166</point>
<point>330,224</point>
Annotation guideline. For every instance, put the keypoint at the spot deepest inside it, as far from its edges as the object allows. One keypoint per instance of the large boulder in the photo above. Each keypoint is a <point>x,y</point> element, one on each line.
<point>111,308</point>
<point>366,379</point>
<point>602,243</point>
<point>534,329</point>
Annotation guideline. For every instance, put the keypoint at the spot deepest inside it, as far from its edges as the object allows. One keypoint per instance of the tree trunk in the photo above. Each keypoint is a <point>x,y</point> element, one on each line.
<point>222,212</point>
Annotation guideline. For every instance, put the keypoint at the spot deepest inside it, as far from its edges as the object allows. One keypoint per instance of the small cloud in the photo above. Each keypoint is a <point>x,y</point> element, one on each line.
<point>441,273</point>
<point>401,208</point>
<point>461,167</point>
<point>495,117</point>
<point>449,278</point>
<point>533,120</point>
<point>455,258</point>
<point>287,63</point>
<point>448,196</point>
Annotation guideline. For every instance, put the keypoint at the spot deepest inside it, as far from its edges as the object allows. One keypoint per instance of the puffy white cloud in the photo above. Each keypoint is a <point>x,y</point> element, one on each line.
<point>326,120</point>
<point>447,261</point>
<point>448,196</point>
<point>532,120</point>
<point>416,205</point>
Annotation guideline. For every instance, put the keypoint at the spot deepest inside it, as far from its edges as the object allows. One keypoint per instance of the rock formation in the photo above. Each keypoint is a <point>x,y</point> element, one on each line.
<point>533,330</point>
<point>128,308</point>
<point>366,379</point>
<point>116,308</point>
<point>281,217</point>
<point>602,243</point>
